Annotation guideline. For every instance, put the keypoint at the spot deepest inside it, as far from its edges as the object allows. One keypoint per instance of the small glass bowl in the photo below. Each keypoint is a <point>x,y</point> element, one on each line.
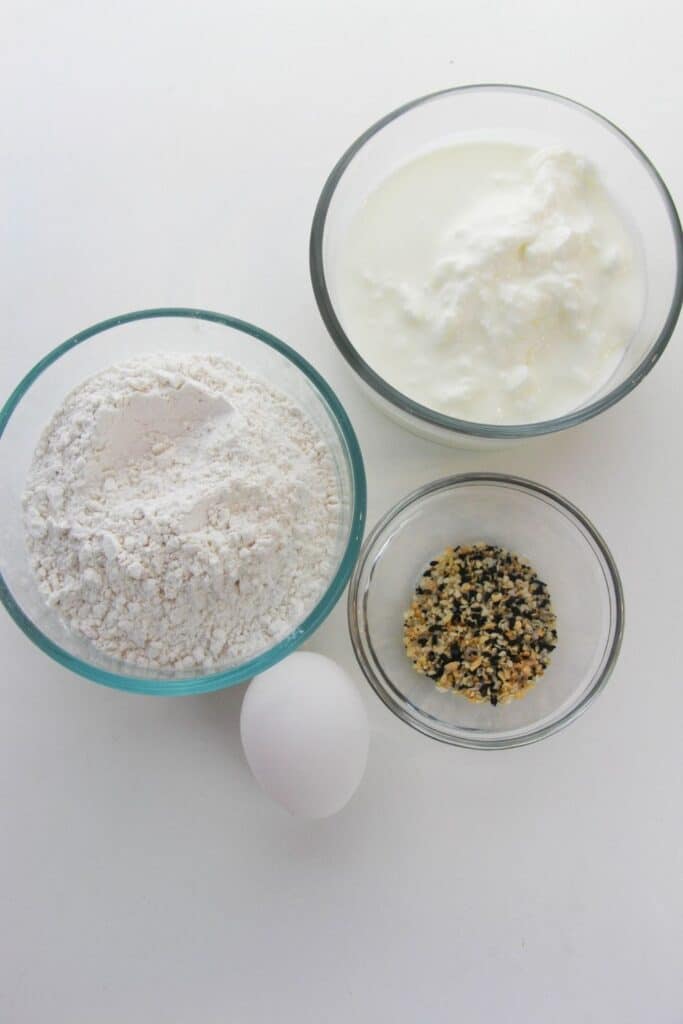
<point>533,522</point>
<point>34,401</point>
<point>526,116</point>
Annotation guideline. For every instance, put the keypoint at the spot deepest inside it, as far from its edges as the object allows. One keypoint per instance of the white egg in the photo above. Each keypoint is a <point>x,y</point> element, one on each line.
<point>305,734</point>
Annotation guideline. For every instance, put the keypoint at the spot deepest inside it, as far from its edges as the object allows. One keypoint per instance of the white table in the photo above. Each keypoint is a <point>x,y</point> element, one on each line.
<point>171,154</point>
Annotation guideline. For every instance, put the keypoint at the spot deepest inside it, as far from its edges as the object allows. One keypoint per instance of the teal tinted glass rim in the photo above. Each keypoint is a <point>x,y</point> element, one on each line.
<point>392,698</point>
<point>238,674</point>
<point>422,412</point>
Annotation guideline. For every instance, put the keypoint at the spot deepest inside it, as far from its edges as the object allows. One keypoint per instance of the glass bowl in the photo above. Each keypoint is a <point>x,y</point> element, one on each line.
<point>562,546</point>
<point>34,401</point>
<point>527,116</point>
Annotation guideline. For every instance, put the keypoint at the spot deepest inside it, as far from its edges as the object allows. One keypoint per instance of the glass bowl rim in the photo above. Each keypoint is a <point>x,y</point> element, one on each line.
<point>561,505</point>
<point>422,412</point>
<point>253,666</point>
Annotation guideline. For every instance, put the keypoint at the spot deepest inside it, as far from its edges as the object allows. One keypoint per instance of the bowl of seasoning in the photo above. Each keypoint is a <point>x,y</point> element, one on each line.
<point>154,468</point>
<point>496,262</point>
<point>486,611</point>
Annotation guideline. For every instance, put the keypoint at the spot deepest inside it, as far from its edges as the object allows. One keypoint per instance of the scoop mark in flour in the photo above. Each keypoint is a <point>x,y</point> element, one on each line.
<point>147,422</point>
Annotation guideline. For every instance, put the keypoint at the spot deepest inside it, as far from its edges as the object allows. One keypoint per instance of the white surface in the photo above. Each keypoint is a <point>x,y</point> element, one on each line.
<point>172,154</point>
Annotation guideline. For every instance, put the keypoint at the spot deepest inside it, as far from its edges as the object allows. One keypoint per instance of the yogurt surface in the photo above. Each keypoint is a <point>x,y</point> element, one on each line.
<point>492,282</point>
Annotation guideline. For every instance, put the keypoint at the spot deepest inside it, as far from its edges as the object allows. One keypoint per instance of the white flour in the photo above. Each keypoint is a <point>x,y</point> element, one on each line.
<point>164,512</point>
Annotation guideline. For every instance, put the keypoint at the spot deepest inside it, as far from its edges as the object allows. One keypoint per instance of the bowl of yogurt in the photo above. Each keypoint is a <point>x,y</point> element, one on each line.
<point>495,263</point>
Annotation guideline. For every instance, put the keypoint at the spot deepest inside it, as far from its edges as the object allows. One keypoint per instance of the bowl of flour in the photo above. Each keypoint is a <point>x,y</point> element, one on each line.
<point>184,501</point>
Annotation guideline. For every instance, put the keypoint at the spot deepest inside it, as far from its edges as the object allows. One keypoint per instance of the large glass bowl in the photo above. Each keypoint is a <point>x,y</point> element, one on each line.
<point>526,116</point>
<point>563,547</point>
<point>36,398</point>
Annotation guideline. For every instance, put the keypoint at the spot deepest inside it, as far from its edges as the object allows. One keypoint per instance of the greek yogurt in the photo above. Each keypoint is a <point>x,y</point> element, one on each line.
<point>492,282</point>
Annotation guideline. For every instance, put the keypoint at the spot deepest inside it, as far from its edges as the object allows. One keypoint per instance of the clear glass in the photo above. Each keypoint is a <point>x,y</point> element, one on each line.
<point>527,116</point>
<point>528,519</point>
<point>36,398</point>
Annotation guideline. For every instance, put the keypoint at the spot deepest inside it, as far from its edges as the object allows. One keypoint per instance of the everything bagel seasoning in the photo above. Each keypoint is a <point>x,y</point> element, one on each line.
<point>481,624</point>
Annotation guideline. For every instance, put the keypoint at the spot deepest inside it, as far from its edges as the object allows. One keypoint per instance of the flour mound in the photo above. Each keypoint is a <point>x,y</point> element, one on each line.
<point>181,513</point>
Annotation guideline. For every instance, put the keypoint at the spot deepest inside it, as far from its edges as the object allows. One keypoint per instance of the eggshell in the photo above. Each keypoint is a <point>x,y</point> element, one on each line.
<point>305,734</point>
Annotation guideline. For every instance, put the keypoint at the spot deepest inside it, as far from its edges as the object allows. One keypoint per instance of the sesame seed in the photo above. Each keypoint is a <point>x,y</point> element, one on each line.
<point>489,624</point>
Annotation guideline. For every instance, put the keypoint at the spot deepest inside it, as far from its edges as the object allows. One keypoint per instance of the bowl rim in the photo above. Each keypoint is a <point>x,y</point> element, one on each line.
<point>253,666</point>
<point>422,412</point>
<point>610,572</point>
